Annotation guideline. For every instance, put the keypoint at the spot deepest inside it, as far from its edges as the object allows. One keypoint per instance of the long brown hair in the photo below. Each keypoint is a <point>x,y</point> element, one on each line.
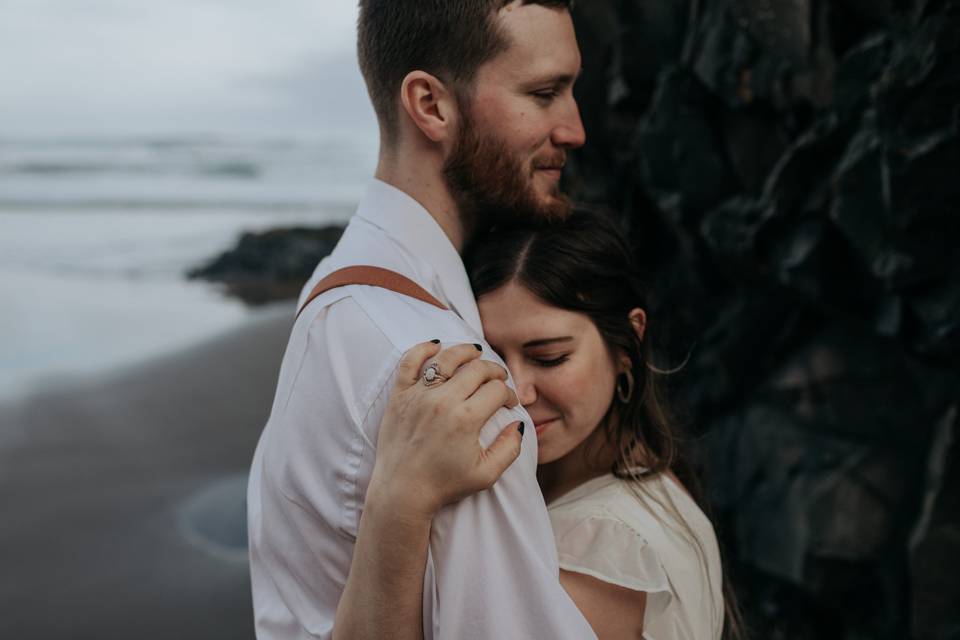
<point>584,264</point>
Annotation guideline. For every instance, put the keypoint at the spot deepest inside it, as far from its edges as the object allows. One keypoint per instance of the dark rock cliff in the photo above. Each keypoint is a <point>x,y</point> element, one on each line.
<point>790,172</point>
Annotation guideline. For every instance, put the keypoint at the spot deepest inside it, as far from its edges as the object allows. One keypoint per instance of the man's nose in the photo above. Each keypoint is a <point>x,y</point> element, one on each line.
<point>569,132</point>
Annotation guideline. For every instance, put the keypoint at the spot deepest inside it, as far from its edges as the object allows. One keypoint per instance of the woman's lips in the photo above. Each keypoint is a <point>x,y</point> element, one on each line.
<point>540,426</point>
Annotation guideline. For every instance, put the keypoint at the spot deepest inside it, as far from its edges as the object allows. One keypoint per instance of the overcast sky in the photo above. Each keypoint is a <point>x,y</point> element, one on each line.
<point>142,66</point>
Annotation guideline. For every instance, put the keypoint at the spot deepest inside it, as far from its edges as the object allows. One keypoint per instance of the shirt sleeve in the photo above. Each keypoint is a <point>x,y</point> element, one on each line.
<point>493,559</point>
<point>601,545</point>
<point>307,473</point>
<point>492,569</point>
<point>607,549</point>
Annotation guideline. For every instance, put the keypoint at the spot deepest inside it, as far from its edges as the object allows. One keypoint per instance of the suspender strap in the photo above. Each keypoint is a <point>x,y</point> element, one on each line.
<point>374,277</point>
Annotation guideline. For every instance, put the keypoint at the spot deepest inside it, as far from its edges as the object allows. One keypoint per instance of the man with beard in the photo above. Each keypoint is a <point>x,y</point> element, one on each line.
<point>475,104</point>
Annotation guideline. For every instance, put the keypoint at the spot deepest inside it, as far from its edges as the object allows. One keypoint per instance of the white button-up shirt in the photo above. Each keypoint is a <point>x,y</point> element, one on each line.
<point>492,569</point>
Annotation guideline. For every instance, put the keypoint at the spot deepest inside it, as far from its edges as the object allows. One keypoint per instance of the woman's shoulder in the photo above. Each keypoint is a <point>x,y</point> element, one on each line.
<point>599,501</point>
<point>653,519</point>
<point>655,508</point>
<point>637,534</point>
<point>594,538</point>
<point>641,505</point>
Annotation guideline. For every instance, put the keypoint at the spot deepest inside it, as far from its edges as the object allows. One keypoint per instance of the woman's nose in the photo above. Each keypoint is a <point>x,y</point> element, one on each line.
<point>526,390</point>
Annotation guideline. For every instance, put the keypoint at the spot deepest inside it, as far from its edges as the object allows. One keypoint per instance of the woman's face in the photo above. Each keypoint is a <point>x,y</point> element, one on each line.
<point>564,372</point>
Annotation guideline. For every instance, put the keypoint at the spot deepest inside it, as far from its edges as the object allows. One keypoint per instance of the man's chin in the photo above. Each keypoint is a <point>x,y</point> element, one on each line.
<point>540,205</point>
<point>553,207</point>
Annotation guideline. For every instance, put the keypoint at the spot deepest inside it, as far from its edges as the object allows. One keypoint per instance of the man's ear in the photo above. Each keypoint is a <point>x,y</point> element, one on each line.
<point>430,105</point>
<point>638,318</point>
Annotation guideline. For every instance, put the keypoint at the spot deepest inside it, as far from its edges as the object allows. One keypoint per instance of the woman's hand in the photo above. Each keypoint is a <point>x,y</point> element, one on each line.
<point>428,455</point>
<point>428,450</point>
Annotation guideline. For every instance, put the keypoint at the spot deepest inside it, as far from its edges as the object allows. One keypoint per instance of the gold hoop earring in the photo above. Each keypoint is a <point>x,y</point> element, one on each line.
<point>625,395</point>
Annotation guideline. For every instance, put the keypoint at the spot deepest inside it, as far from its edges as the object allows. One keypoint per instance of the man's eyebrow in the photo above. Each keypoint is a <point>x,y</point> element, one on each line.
<point>561,79</point>
<point>546,341</point>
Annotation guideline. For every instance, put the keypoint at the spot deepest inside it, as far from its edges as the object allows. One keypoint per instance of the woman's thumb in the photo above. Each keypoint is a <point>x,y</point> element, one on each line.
<point>503,451</point>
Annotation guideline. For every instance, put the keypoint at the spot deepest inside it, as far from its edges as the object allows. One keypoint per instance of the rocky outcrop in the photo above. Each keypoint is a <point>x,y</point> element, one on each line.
<point>271,265</point>
<point>789,171</point>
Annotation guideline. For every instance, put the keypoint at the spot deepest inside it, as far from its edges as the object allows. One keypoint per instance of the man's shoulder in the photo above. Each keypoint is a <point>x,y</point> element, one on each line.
<point>344,354</point>
<point>363,311</point>
<point>359,314</point>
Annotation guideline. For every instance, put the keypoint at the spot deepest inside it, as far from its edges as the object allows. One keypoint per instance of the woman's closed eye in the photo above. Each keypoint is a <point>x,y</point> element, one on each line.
<point>550,361</point>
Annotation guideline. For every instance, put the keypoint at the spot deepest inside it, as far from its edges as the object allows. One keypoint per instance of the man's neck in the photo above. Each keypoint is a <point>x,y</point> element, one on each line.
<point>427,187</point>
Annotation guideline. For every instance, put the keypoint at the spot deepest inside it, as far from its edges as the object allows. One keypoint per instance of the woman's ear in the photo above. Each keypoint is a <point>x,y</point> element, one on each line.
<point>430,105</point>
<point>638,319</point>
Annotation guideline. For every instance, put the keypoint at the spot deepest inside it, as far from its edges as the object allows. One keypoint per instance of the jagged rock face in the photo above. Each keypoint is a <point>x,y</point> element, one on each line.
<point>790,172</point>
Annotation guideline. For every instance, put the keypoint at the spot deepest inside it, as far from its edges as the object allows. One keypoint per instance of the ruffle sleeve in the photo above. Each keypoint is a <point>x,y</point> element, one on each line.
<point>604,547</point>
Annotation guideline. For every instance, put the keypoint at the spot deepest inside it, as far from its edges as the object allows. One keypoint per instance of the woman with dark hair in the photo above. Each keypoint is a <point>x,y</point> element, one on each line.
<point>564,308</point>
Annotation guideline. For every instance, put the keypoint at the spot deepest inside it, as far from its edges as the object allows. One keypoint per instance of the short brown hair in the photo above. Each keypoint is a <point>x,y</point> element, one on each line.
<point>447,38</point>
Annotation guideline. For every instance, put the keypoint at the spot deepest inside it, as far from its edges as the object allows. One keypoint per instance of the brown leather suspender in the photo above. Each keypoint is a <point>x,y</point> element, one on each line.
<point>374,277</point>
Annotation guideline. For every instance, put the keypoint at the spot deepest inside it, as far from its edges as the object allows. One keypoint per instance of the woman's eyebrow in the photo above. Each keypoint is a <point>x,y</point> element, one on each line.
<point>545,341</point>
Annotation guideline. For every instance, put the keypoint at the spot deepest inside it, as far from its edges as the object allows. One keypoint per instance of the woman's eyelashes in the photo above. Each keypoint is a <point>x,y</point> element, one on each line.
<point>550,361</point>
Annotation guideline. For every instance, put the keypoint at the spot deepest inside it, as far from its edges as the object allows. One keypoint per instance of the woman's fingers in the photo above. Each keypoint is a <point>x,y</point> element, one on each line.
<point>498,457</point>
<point>428,446</point>
<point>452,358</point>
<point>411,364</point>
<point>448,361</point>
<point>491,395</point>
<point>473,375</point>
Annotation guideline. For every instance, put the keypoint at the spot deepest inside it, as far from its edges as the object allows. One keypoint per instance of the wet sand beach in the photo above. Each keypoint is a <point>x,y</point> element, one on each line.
<point>122,495</point>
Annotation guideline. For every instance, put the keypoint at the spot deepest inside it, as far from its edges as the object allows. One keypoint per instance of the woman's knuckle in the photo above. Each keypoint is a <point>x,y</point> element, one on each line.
<point>484,480</point>
<point>498,371</point>
<point>476,366</point>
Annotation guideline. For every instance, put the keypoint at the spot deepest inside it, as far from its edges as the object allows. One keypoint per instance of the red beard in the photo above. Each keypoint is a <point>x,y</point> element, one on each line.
<point>492,187</point>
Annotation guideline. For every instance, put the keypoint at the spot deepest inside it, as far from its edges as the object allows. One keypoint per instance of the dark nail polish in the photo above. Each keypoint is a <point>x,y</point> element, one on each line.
<point>521,428</point>
<point>435,341</point>
<point>479,348</point>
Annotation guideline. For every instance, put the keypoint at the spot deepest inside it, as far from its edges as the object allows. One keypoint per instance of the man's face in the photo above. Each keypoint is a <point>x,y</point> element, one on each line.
<point>520,123</point>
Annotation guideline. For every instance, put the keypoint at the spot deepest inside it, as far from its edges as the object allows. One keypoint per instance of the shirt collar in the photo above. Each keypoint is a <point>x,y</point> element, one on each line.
<point>439,265</point>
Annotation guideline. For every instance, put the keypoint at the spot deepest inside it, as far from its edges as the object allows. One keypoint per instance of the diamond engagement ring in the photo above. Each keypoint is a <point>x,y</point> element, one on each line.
<point>432,375</point>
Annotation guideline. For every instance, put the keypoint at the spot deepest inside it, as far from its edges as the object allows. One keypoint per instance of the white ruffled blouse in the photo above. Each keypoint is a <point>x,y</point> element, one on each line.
<point>604,529</point>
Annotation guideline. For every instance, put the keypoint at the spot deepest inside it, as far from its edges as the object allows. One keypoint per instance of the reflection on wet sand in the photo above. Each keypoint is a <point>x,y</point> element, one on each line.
<point>127,493</point>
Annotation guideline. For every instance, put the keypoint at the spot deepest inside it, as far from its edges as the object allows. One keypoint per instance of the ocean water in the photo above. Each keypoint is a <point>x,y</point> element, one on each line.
<point>96,235</point>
